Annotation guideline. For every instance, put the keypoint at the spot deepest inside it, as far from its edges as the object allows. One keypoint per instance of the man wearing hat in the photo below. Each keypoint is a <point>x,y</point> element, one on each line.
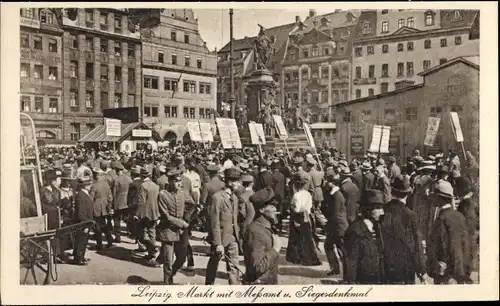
<point>133,223</point>
<point>316,189</point>
<point>103,205</point>
<point>148,213</point>
<point>382,183</point>
<point>364,243</point>
<point>171,203</point>
<point>212,186</point>
<point>120,193</point>
<point>162,180</point>
<point>393,169</point>
<point>84,211</point>
<point>261,248</point>
<point>82,169</point>
<point>246,210</point>
<point>194,179</point>
<point>279,188</point>
<point>448,249</point>
<point>420,200</point>
<point>224,229</point>
<point>264,177</point>
<point>357,174</point>
<point>50,196</point>
<point>350,192</point>
<point>403,248</point>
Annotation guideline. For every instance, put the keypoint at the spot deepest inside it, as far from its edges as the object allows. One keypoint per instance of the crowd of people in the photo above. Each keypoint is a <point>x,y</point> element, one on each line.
<point>384,223</point>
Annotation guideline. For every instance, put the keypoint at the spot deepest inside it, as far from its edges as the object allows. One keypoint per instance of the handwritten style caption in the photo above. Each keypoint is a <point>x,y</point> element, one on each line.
<point>251,294</point>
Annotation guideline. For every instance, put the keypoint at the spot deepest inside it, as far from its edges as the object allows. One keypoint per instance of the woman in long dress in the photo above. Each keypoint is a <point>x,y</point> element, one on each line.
<point>302,249</point>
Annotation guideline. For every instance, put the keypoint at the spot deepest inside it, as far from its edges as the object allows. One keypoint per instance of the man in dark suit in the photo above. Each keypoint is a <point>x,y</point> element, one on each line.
<point>279,185</point>
<point>84,211</point>
<point>357,174</point>
<point>212,186</point>
<point>261,248</point>
<point>148,213</point>
<point>224,229</point>
<point>403,252</point>
<point>171,203</point>
<point>50,196</point>
<point>132,201</point>
<point>103,201</point>
<point>264,178</point>
<point>351,194</point>
<point>121,185</point>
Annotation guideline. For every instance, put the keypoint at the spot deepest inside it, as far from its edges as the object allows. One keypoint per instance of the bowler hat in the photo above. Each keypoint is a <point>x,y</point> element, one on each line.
<point>443,169</point>
<point>84,181</point>
<point>263,163</point>
<point>345,171</point>
<point>135,170</point>
<point>401,184</point>
<point>330,175</point>
<point>366,166</point>
<point>444,189</point>
<point>262,197</point>
<point>232,174</point>
<point>343,163</point>
<point>373,198</point>
<point>67,173</point>
<point>50,175</point>
<point>311,160</point>
<point>247,178</point>
<point>213,168</point>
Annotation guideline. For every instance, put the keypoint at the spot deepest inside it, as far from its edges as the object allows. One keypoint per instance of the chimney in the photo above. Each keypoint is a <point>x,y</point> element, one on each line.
<point>297,20</point>
<point>312,13</point>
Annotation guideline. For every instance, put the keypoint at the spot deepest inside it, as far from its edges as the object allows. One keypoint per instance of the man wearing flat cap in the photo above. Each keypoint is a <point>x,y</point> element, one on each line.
<point>224,230</point>
<point>448,249</point>
<point>261,247</point>
<point>120,190</point>
<point>421,200</point>
<point>403,248</point>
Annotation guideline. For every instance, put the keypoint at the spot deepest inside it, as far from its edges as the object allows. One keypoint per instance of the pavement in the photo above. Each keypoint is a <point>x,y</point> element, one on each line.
<point>120,265</point>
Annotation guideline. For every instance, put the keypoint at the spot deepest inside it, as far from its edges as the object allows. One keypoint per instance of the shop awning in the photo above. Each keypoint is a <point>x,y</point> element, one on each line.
<point>98,134</point>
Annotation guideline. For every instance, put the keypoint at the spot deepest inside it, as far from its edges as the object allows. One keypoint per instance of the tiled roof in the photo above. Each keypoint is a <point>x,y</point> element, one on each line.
<point>239,44</point>
<point>335,20</point>
<point>471,61</point>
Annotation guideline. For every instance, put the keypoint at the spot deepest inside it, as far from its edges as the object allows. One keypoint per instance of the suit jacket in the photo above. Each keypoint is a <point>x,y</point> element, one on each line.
<point>352,198</point>
<point>120,190</point>
<point>246,211</point>
<point>223,215</point>
<point>203,174</point>
<point>316,184</point>
<point>383,184</point>
<point>84,207</point>
<point>279,185</point>
<point>133,192</point>
<point>394,171</point>
<point>103,199</point>
<point>449,243</point>
<point>263,180</point>
<point>403,255</point>
<point>162,181</point>
<point>147,207</point>
<point>211,187</point>
<point>334,209</point>
<point>357,178</point>
<point>261,259</point>
<point>171,205</point>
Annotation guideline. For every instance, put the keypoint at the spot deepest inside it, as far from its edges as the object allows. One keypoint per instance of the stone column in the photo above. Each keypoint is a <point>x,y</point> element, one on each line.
<point>111,22</point>
<point>81,19</point>
<point>97,75</point>
<point>81,73</point>
<point>97,19</point>
<point>125,30</point>
<point>111,72</point>
<point>125,74</point>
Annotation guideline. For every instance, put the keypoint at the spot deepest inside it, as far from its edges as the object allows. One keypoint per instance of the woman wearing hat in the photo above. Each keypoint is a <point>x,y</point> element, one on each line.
<point>363,243</point>
<point>302,249</point>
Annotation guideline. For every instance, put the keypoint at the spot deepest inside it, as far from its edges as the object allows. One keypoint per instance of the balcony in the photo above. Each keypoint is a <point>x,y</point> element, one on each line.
<point>31,82</point>
<point>89,84</point>
<point>89,56</point>
<point>104,58</point>
<point>365,81</point>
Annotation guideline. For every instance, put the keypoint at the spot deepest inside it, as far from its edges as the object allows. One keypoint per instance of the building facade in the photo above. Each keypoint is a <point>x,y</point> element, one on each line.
<point>101,66</point>
<point>41,94</point>
<point>179,73</point>
<point>450,87</point>
<point>391,47</point>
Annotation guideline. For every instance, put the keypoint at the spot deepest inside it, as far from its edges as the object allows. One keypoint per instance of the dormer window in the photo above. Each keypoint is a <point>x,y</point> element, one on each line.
<point>324,22</point>
<point>367,29</point>
<point>429,18</point>
<point>457,15</point>
<point>349,17</point>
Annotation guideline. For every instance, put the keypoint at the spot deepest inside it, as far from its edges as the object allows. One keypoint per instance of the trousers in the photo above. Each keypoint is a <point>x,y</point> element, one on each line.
<point>231,250</point>
<point>170,267</point>
<point>148,237</point>
<point>80,246</point>
<point>102,226</point>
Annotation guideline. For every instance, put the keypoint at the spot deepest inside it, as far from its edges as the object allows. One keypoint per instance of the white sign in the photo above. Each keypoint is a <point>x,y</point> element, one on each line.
<point>142,133</point>
<point>380,139</point>
<point>127,146</point>
<point>228,132</point>
<point>194,131</point>
<point>432,129</point>
<point>257,133</point>
<point>113,127</point>
<point>456,127</point>
<point>163,143</point>
<point>206,131</point>
<point>280,127</point>
<point>310,139</point>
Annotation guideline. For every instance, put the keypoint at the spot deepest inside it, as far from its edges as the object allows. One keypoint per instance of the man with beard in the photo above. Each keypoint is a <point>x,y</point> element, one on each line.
<point>261,247</point>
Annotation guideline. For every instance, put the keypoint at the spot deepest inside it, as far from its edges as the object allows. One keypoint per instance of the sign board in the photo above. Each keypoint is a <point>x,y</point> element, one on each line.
<point>432,129</point>
<point>257,135</point>
<point>280,127</point>
<point>142,133</point>
<point>164,143</point>
<point>113,127</point>
<point>127,146</point>
<point>194,131</point>
<point>228,132</point>
<point>380,139</point>
<point>206,131</point>
<point>310,139</point>
<point>456,127</point>
<point>357,145</point>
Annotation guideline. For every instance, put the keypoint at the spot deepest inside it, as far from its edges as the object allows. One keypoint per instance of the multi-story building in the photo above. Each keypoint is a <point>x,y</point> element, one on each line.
<point>180,73</point>
<point>101,66</point>
<point>391,47</point>
<point>41,71</point>
<point>316,67</point>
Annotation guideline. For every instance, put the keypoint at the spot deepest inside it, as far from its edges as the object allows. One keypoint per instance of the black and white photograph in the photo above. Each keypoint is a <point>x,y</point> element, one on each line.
<point>334,147</point>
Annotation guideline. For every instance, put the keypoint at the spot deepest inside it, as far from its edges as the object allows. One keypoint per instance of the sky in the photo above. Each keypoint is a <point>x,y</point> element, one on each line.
<point>214,23</point>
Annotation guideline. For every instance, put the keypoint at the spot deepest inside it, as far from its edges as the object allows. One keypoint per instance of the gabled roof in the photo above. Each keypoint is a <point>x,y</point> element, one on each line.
<point>335,20</point>
<point>405,30</point>
<point>447,64</point>
<point>314,35</point>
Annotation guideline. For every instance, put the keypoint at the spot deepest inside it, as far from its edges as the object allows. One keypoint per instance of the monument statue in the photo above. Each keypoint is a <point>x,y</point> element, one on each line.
<point>263,49</point>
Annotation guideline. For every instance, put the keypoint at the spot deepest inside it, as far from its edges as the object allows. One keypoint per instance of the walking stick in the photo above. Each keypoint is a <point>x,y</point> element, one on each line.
<point>242,274</point>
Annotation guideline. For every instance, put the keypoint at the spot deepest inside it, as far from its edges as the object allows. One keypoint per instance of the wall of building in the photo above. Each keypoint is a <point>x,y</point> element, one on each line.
<point>455,88</point>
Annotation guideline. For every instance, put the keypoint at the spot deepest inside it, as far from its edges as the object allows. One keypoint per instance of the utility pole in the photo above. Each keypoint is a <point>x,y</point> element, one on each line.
<point>231,76</point>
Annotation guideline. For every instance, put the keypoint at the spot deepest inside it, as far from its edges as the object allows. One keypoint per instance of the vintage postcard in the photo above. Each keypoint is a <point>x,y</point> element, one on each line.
<point>248,152</point>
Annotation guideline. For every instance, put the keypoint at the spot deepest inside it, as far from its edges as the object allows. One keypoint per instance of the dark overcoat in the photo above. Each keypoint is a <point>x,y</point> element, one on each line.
<point>352,197</point>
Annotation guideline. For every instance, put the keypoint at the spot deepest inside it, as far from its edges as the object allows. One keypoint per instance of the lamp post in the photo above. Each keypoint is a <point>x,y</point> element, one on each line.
<point>231,76</point>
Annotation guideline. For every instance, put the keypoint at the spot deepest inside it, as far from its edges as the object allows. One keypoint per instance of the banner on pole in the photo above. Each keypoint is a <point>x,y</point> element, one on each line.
<point>194,131</point>
<point>456,127</point>
<point>310,139</point>
<point>257,135</point>
<point>432,129</point>
<point>206,132</point>
<point>113,127</point>
<point>228,132</point>
<point>280,127</point>
<point>380,139</point>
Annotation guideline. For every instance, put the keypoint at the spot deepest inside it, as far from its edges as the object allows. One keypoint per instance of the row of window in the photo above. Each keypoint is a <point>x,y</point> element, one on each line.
<point>103,46</point>
<point>39,72</point>
<point>89,72</point>
<point>171,112</point>
<point>26,105</point>
<point>316,51</point>
<point>90,100</point>
<point>336,72</point>
<point>409,112</point>
<point>152,82</point>
<point>76,131</point>
<point>173,60</point>
<point>36,42</point>
<point>426,64</point>
<point>45,16</point>
<point>370,50</point>
<point>337,96</point>
<point>104,21</point>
